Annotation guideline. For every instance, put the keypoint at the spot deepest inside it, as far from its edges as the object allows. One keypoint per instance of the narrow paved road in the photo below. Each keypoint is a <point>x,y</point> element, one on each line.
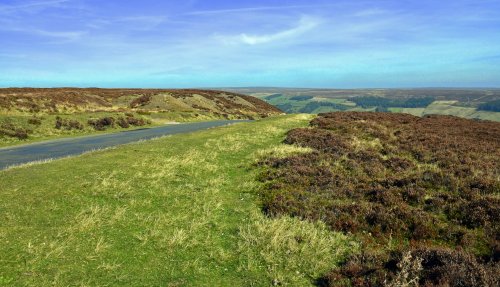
<point>10,156</point>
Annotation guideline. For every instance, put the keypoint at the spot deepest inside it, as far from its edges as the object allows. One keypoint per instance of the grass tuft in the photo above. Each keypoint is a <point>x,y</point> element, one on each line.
<point>290,251</point>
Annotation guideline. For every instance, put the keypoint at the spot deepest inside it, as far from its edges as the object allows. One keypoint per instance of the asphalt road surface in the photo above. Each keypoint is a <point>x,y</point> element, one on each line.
<point>11,156</point>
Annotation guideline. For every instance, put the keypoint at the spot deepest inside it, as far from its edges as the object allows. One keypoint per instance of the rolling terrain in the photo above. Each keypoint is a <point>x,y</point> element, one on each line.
<point>468,103</point>
<point>30,114</point>
<point>344,199</point>
<point>350,198</point>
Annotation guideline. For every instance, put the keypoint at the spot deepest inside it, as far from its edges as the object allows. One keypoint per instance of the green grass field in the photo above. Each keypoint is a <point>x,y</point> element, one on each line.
<point>175,211</point>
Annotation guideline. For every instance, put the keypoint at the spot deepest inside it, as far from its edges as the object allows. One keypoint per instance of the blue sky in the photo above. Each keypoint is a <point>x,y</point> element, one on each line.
<point>190,43</point>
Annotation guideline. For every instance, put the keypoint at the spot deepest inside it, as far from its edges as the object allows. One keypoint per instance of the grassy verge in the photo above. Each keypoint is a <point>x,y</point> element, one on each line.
<point>43,127</point>
<point>176,211</point>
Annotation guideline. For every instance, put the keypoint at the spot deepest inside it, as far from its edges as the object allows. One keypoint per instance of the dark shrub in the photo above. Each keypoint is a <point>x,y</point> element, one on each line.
<point>35,121</point>
<point>123,123</point>
<point>136,121</point>
<point>74,124</point>
<point>102,123</point>
<point>68,124</point>
<point>59,123</point>
<point>141,101</point>
<point>21,134</point>
<point>10,130</point>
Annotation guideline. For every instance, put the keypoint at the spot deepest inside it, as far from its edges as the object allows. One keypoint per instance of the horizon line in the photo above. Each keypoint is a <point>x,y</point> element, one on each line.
<point>255,87</point>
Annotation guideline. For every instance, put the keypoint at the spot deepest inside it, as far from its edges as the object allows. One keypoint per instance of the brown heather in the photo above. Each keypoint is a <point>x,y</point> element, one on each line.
<point>420,194</point>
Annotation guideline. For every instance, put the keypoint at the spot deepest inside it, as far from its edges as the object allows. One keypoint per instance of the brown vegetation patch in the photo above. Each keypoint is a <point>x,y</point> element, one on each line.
<point>429,186</point>
<point>141,101</point>
<point>102,123</point>
<point>123,122</point>
<point>68,124</point>
<point>13,131</point>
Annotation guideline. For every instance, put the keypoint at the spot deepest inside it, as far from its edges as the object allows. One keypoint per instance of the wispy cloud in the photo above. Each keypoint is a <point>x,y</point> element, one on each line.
<point>370,12</point>
<point>305,24</point>
<point>145,22</point>
<point>252,9</point>
<point>63,35</point>
<point>31,5</point>
<point>66,36</point>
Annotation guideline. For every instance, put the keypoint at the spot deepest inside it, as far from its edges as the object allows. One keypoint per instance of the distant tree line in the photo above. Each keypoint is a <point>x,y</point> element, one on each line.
<point>301,98</point>
<point>287,108</point>
<point>312,106</point>
<point>273,96</point>
<point>493,106</point>
<point>366,102</point>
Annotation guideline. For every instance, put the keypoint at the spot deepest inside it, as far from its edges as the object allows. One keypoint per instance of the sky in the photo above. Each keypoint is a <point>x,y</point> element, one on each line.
<point>222,43</point>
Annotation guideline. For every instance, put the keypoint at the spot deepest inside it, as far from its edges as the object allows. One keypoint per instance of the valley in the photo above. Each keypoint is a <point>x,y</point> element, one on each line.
<point>483,104</point>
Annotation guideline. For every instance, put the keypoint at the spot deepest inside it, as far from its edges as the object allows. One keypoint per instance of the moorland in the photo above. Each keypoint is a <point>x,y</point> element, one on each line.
<point>336,199</point>
<point>420,195</point>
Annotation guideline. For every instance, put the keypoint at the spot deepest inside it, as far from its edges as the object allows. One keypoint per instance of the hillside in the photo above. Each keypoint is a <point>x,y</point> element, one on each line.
<point>28,114</point>
<point>33,100</point>
<point>422,195</point>
<point>467,103</point>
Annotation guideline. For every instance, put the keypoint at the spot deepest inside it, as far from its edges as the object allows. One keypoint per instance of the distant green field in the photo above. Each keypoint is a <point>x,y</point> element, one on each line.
<point>325,104</point>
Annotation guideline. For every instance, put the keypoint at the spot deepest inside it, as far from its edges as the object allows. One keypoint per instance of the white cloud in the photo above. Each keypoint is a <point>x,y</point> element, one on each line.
<point>305,24</point>
<point>64,35</point>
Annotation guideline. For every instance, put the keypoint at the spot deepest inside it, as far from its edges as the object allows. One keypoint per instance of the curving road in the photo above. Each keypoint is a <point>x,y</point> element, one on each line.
<point>11,156</point>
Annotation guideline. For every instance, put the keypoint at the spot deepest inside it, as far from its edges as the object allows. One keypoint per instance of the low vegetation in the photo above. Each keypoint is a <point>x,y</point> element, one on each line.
<point>421,195</point>
<point>175,211</point>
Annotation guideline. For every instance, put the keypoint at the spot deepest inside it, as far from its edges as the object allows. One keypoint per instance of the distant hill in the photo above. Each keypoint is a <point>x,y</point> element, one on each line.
<point>56,100</point>
<point>467,103</point>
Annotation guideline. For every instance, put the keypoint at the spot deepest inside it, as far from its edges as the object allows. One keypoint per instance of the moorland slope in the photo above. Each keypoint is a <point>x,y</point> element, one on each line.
<point>30,100</point>
<point>420,194</point>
